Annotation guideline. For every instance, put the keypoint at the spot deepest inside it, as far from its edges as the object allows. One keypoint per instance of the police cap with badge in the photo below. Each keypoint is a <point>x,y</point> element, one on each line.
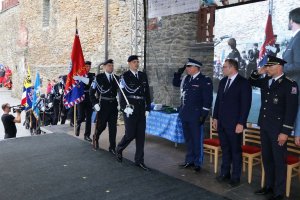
<point>272,60</point>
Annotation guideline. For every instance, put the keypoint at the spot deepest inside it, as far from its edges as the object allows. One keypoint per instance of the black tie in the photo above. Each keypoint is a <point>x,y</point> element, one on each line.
<point>136,75</point>
<point>227,86</point>
<point>273,80</point>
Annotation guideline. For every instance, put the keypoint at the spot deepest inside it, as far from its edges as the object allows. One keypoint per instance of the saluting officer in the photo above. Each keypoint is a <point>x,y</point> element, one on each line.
<point>135,86</point>
<point>85,108</point>
<point>279,103</point>
<point>196,101</point>
<point>105,104</point>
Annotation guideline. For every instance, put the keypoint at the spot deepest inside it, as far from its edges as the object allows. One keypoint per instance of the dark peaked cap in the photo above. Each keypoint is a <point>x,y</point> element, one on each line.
<point>272,60</point>
<point>192,62</point>
<point>88,62</point>
<point>132,57</point>
<point>109,61</point>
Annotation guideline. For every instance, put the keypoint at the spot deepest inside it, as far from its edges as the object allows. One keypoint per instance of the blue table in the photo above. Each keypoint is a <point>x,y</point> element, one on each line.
<point>165,125</point>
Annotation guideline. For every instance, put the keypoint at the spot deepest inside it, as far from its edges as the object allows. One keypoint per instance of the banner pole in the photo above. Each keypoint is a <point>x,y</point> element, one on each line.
<point>75,121</point>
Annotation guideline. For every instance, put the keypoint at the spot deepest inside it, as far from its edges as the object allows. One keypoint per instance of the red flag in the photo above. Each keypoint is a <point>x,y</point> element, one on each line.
<point>74,90</point>
<point>269,40</point>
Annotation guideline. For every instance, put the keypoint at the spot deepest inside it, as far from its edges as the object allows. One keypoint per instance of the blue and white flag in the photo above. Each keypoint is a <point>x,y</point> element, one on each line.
<point>36,96</point>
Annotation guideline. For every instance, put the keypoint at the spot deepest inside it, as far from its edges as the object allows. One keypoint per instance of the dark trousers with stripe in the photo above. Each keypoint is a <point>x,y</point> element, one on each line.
<point>273,157</point>
<point>108,114</point>
<point>193,135</point>
<point>85,111</point>
<point>231,145</point>
<point>135,126</point>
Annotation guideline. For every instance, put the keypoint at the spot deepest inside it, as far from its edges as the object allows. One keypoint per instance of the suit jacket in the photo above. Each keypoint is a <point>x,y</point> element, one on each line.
<point>292,68</point>
<point>279,103</point>
<point>232,108</point>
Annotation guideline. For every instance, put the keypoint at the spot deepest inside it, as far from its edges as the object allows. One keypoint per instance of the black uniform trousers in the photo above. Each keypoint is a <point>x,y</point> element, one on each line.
<point>135,126</point>
<point>108,114</point>
<point>56,103</point>
<point>231,145</point>
<point>85,111</point>
<point>273,157</point>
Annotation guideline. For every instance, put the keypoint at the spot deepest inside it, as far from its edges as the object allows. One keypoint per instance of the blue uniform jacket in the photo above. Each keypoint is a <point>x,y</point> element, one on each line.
<point>196,98</point>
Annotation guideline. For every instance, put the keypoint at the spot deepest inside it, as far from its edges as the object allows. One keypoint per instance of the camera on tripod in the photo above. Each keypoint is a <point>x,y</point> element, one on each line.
<point>18,108</point>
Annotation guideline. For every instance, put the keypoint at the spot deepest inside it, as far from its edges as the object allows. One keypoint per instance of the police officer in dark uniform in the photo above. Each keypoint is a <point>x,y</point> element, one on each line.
<point>196,101</point>
<point>135,86</point>
<point>279,103</point>
<point>56,95</point>
<point>105,104</point>
<point>85,108</point>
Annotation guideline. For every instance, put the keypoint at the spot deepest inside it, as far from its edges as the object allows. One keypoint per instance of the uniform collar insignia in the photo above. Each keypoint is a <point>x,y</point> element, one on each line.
<point>279,80</point>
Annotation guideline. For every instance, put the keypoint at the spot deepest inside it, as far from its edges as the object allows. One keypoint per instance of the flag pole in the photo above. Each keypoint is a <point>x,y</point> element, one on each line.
<point>75,120</point>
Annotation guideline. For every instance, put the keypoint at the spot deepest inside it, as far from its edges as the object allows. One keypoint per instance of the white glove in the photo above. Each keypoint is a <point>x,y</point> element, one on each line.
<point>60,91</point>
<point>97,107</point>
<point>43,108</point>
<point>128,111</point>
<point>82,79</point>
<point>271,48</point>
<point>50,105</point>
<point>146,113</point>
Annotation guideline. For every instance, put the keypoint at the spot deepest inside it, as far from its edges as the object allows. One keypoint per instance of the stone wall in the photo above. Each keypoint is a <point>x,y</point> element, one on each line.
<point>168,47</point>
<point>46,47</point>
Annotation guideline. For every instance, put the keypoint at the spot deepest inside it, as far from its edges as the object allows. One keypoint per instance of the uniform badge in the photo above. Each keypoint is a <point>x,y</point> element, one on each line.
<point>275,100</point>
<point>294,90</point>
<point>279,80</point>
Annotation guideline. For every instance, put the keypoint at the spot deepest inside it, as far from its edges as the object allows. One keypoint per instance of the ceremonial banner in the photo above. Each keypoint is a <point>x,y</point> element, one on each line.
<point>74,90</point>
<point>269,41</point>
<point>36,96</point>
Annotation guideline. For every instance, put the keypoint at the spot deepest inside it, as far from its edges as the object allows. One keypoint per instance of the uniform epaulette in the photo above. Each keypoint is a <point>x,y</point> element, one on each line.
<point>288,78</point>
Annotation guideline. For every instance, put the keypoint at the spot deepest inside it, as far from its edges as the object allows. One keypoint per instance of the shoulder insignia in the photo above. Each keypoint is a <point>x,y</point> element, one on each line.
<point>288,78</point>
<point>294,90</point>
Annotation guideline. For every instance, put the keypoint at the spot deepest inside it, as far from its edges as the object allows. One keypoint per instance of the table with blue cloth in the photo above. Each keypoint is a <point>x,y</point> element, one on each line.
<point>165,125</point>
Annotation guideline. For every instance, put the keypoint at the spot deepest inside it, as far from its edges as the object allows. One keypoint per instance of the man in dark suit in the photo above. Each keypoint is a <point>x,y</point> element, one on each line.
<point>106,104</point>
<point>135,86</point>
<point>196,100</point>
<point>230,115</point>
<point>279,104</point>
<point>85,109</point>
<point>292,57</point>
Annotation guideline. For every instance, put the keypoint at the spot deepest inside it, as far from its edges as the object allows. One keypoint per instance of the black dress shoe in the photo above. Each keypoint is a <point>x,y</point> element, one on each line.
<point>119,156</point>
<point>186,165</point>
<point>197,169</point>
<point>87,138</point>
<point>264,191</point>
<point>112,151</point>
<point>143,166</point>
<point>278,197</point>
<point>234,183</point>
<point>223,178</point>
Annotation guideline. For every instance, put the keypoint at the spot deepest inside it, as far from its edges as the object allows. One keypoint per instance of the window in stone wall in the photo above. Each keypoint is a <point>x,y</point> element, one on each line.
<point>46,13</point>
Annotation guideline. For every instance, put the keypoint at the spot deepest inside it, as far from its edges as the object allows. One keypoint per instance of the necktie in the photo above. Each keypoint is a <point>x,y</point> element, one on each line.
<point>191,78</point>
<point>136,76</point>
<point>271,82</point>
<point>227,85</point>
